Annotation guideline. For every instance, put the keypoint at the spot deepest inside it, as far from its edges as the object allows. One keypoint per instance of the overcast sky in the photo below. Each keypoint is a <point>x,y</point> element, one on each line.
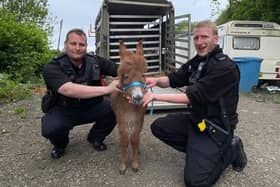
<point>80,14</point>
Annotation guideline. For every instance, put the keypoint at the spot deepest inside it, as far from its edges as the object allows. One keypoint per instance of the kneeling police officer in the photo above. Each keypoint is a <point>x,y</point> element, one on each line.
<point>75,95</point>
<point>206,132</point>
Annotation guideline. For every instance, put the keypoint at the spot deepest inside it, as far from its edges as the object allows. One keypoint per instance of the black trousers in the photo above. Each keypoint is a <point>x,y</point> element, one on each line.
<point>205,160</point>
<point>58,121</point>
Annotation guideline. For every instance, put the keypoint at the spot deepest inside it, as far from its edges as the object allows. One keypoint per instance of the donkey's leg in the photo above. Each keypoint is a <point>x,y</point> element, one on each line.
<point>123,138</point>
<point>135,141</point>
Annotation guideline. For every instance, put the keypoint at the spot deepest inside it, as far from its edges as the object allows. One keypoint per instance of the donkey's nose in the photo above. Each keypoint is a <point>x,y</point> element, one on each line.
<point>138,99</point>
<point>137,95</point>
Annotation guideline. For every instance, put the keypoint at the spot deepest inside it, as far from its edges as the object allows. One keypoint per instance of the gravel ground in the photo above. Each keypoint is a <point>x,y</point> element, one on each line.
<point>25,155</point>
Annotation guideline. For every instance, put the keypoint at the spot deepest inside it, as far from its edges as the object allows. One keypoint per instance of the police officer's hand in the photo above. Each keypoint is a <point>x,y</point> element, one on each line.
<point>148,97</point>
<point>151,82</point>
<point>113,86</point>
<point>162,82</point>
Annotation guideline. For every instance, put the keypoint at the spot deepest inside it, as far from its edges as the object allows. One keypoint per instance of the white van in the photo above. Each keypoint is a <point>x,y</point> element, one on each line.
<point>254,39</point>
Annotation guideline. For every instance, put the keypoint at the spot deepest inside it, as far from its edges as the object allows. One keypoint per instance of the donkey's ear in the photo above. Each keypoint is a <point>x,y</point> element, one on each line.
<point>122,48</point>
<point>139,48</point>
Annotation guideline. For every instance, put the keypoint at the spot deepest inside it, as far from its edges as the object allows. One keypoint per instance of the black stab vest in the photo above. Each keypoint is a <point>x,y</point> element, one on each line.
<point>90,76</point>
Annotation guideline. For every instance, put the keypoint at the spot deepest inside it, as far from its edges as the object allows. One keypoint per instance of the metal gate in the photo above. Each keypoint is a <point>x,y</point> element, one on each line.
<point>178,52</point>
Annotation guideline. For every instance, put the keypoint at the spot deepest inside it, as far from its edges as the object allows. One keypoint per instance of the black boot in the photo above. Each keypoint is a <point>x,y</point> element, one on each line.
<point>97,145</point>
<point>57,152</point>
<point>240,159</point>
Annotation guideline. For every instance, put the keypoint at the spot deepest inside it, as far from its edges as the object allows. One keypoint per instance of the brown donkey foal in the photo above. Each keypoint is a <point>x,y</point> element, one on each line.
<point>130,117</point>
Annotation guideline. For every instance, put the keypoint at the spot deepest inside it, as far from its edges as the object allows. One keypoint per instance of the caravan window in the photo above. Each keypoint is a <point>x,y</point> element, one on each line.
<point>248,43</point>
<point>221,41</point>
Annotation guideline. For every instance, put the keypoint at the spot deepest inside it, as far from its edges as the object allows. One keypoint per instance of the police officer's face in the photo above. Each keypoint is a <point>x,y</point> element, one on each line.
<point>75,46</point>
<point>204,40</point>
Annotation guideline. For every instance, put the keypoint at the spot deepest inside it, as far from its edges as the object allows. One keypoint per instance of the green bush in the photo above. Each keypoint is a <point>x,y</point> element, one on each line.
<point>24,48</point>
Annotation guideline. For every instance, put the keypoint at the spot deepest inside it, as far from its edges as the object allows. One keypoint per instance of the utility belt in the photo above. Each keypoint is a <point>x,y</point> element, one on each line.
<point>75,103</point>
<point>51,99</point>
<point>215,132</point>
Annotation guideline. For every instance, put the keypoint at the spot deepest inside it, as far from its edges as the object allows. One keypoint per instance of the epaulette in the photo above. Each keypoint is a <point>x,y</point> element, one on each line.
<point>91,54</point>
<point>60,56</point>
<point>221,57</point>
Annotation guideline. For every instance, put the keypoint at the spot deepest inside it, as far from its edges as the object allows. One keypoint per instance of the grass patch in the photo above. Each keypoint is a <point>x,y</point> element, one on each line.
<point>11,90</point>
<point>277,99</point>
<point>20,111</point>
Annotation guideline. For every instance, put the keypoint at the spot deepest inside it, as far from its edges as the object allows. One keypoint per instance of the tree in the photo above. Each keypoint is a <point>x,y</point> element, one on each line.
<point>24,48</point>
<point>24,32</point>
<point>268,10</point>
<point>34,11</point>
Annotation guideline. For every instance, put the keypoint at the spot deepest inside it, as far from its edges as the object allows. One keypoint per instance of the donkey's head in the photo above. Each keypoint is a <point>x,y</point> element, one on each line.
<point>131,72</point>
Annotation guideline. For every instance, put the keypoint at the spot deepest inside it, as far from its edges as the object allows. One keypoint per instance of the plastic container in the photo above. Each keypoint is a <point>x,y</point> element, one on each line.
<point>249,72</point>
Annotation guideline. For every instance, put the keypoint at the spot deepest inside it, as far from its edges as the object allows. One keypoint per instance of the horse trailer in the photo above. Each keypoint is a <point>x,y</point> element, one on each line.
<point>153,22</point>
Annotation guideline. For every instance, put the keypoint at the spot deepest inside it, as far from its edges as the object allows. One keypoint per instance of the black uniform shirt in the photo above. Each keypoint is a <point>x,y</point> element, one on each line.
<point>219,76</point>
<point>55,76</point>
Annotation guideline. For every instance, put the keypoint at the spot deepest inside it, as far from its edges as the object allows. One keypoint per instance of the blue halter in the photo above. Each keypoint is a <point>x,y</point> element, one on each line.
<point>141,84</point>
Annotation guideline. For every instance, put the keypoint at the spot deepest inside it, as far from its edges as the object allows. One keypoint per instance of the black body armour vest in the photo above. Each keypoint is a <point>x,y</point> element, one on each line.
<point>89,75</point>
<point>223,110</point>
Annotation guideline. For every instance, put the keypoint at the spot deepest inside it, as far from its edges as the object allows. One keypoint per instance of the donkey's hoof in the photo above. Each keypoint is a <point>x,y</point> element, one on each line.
<point>122,172</point>
<point>135,166</point>
<point>122,169</point>
<point>135,169</point>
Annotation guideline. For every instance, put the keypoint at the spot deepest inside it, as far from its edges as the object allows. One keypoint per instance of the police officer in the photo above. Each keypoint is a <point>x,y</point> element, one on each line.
<point>75,95</point>
<point>205,132</point>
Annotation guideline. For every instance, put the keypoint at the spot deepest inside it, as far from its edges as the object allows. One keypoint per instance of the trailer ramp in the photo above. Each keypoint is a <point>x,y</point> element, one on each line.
<point>157,105</point>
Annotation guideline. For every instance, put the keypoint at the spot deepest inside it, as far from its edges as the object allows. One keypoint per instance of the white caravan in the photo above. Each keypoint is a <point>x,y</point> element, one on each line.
<point>254,39</point>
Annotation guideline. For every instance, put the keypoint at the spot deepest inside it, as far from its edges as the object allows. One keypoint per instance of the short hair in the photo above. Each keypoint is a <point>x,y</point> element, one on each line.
<point>207,23</point>
<point>76,31</point>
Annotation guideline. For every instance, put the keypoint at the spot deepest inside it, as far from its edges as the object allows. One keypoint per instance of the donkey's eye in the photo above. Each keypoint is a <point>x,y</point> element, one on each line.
<point>125,77</point>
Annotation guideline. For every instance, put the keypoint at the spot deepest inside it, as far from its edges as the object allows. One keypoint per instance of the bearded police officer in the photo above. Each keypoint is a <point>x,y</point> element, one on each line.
<point>75,95</point>
<point>206,132</point>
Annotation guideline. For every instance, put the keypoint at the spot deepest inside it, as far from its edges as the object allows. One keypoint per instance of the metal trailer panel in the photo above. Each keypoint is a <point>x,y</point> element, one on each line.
<point>131,21</point>
<point>139,7</point>
<point>130,29</point>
